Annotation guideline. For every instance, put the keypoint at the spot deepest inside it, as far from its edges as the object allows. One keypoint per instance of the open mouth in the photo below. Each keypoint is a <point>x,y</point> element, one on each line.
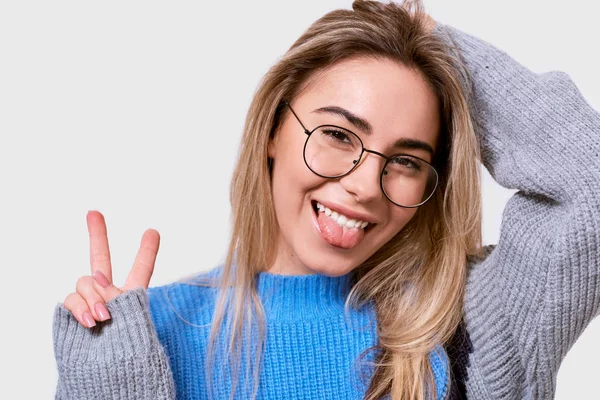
<point>343,221</point>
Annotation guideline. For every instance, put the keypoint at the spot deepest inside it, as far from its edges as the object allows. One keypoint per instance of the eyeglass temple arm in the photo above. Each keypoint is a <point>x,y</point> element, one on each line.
<point>285,103</point>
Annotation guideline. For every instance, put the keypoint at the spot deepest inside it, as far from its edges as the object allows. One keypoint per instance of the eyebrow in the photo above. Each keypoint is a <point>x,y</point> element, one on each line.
<point>366,127</point>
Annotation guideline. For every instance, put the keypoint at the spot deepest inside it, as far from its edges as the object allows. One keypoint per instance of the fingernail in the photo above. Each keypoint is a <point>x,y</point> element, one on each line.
<point>88,319</point>
<point>102,311</point>
<point>100,278</point>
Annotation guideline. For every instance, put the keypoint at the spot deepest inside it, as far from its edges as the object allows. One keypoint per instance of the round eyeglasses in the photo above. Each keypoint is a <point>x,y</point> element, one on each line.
<point>331,151</point>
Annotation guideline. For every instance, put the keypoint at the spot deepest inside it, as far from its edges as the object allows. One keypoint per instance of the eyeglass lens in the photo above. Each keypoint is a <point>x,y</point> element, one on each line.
<point>333,152</point>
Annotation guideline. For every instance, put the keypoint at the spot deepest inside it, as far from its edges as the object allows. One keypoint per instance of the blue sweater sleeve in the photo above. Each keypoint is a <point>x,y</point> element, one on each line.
<point>533,295</point>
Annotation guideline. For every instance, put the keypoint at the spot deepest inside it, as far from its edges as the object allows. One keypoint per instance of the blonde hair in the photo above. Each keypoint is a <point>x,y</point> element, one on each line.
<point>417,279</point>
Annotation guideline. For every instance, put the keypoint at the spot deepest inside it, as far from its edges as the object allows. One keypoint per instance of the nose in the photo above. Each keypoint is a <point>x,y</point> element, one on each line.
<point>363,182</point>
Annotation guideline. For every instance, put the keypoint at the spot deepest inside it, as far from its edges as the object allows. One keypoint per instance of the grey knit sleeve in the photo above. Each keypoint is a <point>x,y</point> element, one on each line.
<point>534,294</point>
<point>117,359</point>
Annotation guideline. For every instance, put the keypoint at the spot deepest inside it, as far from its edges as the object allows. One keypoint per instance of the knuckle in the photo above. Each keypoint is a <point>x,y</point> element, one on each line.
<point>84,283</point>
<point>72,301</point>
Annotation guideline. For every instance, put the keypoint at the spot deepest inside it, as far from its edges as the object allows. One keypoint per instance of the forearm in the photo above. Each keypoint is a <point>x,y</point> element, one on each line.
<point>537,132</point>
<point>118,359</point>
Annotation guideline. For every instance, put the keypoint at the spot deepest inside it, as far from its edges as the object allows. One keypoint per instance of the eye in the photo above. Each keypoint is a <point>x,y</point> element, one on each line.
<point>405,163</point>
<point>336,134</point>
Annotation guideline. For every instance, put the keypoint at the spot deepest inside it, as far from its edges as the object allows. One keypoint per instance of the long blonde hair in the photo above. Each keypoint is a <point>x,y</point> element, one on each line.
<point>417,279</point>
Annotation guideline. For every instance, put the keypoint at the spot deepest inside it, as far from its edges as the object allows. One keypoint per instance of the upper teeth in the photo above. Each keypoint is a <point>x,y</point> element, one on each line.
<point>341,219</point>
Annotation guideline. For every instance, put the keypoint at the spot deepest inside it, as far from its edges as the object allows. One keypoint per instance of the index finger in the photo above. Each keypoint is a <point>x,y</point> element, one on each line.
<point>99,252</point>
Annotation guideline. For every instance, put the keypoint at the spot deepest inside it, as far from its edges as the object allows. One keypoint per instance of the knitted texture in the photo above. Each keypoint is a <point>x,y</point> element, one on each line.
<point>312,345</point>
<point>117,359</point>
<point>312,351</point>
<point>531,298</point>
<point>526,302</point>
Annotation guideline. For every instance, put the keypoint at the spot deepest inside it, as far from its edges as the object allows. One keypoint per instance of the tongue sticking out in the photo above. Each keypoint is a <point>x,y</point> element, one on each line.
<point>339,236</point>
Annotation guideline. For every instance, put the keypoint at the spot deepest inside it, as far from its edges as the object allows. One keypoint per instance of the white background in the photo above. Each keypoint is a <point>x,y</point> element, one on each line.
<point>136,109</point>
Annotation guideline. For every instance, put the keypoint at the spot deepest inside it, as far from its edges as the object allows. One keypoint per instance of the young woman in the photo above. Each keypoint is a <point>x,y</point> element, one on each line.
<point>355,268</point>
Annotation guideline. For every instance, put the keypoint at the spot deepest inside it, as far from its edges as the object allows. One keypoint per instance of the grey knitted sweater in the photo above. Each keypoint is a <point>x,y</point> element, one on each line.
<point>527,300</point>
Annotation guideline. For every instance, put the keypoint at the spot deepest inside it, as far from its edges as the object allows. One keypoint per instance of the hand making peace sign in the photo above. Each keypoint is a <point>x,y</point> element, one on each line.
<point>87,303</point>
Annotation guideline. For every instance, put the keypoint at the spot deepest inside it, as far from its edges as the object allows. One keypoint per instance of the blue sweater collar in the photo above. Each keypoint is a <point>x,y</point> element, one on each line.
<point>303,297</point>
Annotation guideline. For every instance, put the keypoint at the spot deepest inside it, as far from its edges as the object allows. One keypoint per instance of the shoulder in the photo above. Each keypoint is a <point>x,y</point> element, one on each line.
<point>190,299</point>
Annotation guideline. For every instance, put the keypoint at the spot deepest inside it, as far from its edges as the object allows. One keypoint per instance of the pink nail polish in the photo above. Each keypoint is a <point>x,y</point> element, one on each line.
<point>88,319</point>
<point>102,311</point>
<point>101,279</point>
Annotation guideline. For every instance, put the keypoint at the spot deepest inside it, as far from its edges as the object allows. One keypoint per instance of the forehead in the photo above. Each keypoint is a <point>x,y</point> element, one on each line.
<point>397,101</point>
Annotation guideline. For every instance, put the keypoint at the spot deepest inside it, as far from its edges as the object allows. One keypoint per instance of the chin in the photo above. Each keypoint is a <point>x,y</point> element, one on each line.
<point>331,271</point>
<point>325,263</point>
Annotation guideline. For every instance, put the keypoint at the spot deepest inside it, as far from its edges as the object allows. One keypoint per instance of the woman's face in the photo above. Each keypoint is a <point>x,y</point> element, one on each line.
<point>395,103</point>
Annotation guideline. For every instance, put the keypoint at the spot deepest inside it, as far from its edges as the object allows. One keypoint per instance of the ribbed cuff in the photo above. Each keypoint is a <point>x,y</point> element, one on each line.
<point>129,332</point>
<point>117,359</point>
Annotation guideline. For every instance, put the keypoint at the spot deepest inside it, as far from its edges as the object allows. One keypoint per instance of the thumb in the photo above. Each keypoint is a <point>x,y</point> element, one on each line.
<point>143,266</point>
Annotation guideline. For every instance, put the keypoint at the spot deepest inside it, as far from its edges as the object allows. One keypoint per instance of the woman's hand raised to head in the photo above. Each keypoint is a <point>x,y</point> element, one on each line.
<point>87,303</point>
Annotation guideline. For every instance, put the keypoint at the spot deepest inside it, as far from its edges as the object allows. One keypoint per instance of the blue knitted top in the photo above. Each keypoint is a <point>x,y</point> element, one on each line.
<point>312,346</point>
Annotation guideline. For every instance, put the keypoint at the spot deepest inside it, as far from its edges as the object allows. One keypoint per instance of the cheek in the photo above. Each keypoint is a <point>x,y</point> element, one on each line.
<point>291,180</point>
<point>399,217</point>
